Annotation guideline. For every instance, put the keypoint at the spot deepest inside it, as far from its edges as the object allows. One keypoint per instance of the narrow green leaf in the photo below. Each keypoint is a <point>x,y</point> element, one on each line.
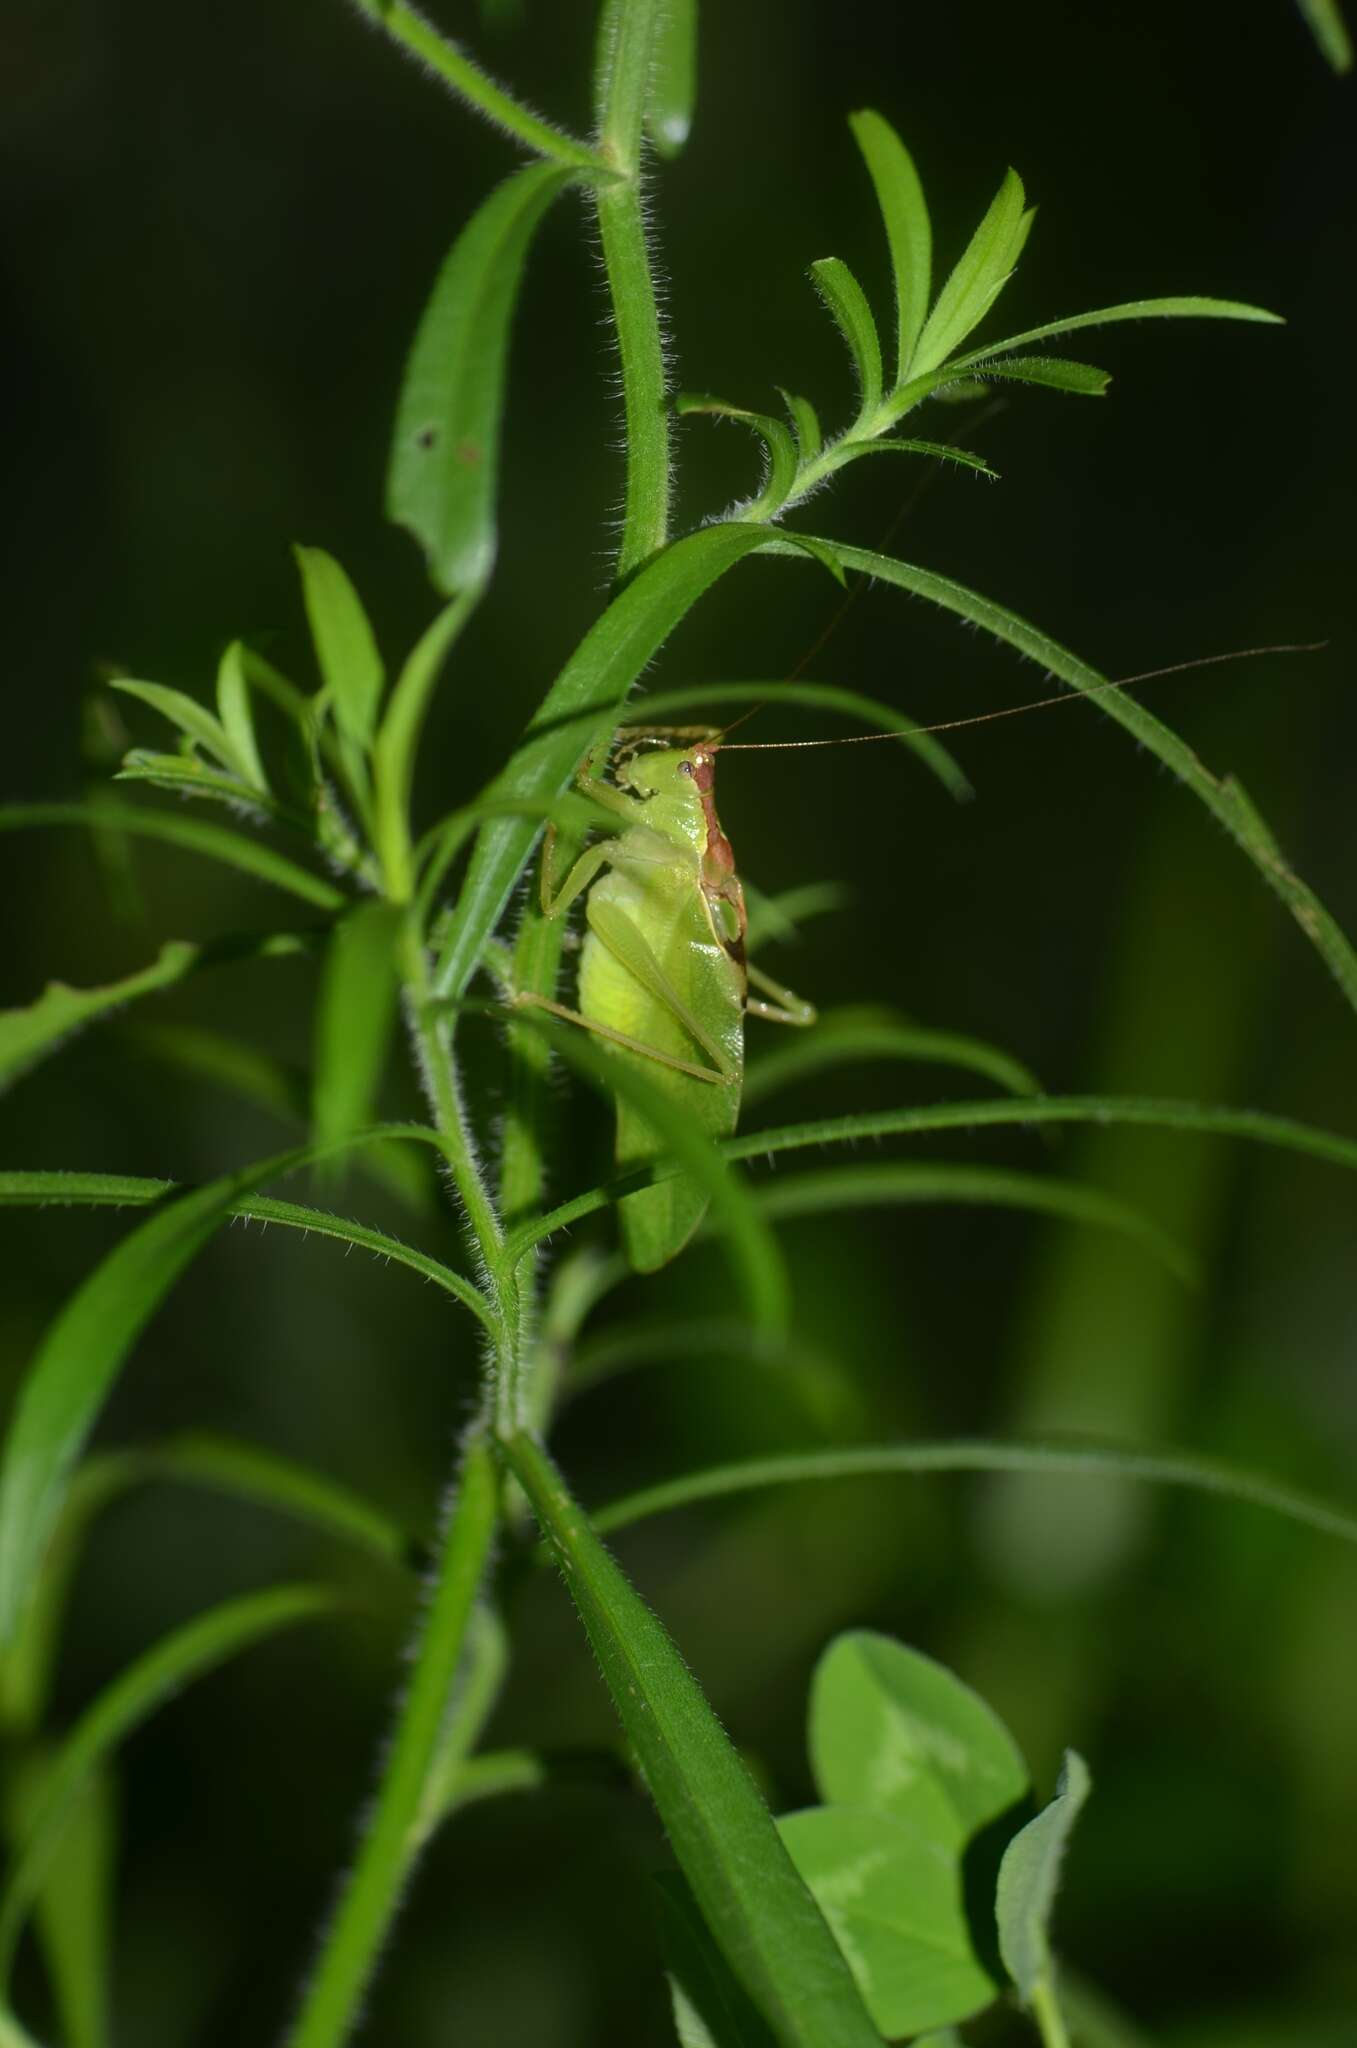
<point>977,279</point>
<point>445,453</point>
<point>711,2009</point>
<point>829,697</point>
<point>355,1020</point>
<point>896,1732</point>
<point>1128,1461</point>
<point>1239,820</point>
<point>673,86</point>
<point>1329,31</point>
<point>835,1190</point>
<point>847,301</point>
<point>346,652</point>
<point>854,1034</point>
<point>896,1906</point>
<point>746,1888</point>
<point>214,842</point>
<point>939,451</point>
<point>27,1035</point>
<point>1056,373</point>
<point>186,775</point>
<point>180,1658</point>
<point>904,214</point>
<point>252,1473</point>
<point>398,741</point>
<point>1131,309</point>
<point>110,1190</point>
<point>190,717</point>
<point>780,447</point>
<point>1029,1877</point>
<point>237,719</point>
<point>780,917</point>
<point>73,1908</point>
<point>581,707</point>
<point>806,421</point>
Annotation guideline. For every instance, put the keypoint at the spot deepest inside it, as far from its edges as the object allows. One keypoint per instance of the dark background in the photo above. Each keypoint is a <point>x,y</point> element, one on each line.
<point>219,227</point>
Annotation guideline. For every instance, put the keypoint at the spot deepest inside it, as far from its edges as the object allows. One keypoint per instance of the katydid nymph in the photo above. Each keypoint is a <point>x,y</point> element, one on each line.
<point>663,975</point>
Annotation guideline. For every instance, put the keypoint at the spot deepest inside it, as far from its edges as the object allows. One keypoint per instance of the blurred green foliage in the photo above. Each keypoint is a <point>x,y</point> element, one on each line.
<point>218,235</point>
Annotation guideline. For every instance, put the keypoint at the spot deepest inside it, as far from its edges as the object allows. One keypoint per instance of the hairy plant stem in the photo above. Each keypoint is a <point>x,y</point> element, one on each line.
<point>1048,2016</point>
<point>409,28</point>
<point>622,85</point>
<point>392,1836</point>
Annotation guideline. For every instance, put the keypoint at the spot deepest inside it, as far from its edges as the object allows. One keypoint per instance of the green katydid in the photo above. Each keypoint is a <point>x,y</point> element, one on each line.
<point>663,974</point>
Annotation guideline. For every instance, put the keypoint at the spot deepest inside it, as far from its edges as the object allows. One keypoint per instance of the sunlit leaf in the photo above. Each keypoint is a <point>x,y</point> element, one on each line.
<point>847,302</point>
<point>1029,1877</point>
<point>894,1901</point>
<point>445,453</point>
<point>978,277</point>
<point>904,214</point>
<point>727,1846</point>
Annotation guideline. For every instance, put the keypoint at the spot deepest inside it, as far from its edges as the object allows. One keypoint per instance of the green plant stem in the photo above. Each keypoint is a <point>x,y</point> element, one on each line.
<point>626,47</point>
<point>1048,2016</point>
<point>391,1838</point>
<point>409,28</point>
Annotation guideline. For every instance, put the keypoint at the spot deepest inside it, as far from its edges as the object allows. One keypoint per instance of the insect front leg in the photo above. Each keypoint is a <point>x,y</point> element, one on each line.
<point>785,1007</point>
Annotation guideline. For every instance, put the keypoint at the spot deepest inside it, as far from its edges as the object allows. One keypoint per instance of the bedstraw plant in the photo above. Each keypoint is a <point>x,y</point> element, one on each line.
<point>846,1923</point>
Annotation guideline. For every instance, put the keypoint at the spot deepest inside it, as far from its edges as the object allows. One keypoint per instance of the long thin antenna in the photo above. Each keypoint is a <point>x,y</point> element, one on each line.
<point>1067,696</point>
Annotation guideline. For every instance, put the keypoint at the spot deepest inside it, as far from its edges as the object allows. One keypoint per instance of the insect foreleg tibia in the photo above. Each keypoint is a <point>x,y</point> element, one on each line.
<point>557,900</point>
<point>650,1052</point>
<point>785,1008</point>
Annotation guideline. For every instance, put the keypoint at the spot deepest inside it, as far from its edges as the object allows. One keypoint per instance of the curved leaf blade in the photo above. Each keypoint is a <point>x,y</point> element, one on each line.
<point>779,447</point>
<point>1186,1469</point>
<point>180,1658</point>
<point>1054,373</point>
<point>1029,1877</point>
<point>749,1894</point>
<point>28,1035</point>
<point>237,716</point>
<point>355,1020</point>
<point>445,452</point>
<point>851,1035</point>
<point>214,842</point>
<point>909,235</point>
<point>1329,30</point>
<point>1180,308</point>
<point>847,303</point>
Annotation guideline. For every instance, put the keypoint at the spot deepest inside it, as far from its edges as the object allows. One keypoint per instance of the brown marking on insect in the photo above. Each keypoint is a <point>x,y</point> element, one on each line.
<point>469,453</point>
<point>720,882</point>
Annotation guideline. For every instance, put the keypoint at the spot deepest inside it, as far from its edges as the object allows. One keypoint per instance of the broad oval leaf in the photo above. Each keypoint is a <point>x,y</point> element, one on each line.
<point>745,1884</point>
<point>445,453</point>
<point>885,1721</point>
<point>904,214</point>
<point>346,651</point>
<point>1030,1875</point>
<point>894,1901</point>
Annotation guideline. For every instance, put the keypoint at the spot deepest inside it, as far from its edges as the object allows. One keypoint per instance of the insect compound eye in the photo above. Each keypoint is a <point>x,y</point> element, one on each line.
<point>685,768</point>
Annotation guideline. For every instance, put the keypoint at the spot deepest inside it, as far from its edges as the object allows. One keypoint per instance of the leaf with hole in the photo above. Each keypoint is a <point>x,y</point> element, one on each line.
<point>445,451</point>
